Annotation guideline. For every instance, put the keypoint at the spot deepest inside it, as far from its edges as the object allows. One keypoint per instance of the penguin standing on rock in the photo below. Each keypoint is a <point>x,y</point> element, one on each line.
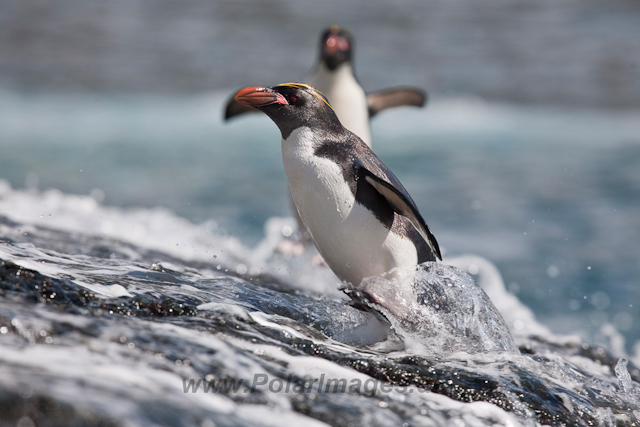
<point>360,217</point>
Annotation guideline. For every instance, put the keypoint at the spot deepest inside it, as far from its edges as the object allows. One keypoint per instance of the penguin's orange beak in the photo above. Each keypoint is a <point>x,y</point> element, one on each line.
<point>256,96</point>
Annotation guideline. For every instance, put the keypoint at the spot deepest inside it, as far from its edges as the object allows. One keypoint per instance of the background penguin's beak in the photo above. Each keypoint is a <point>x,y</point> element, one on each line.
<point>335,44</point>
<point>335,50</point>
<point>256,96</point>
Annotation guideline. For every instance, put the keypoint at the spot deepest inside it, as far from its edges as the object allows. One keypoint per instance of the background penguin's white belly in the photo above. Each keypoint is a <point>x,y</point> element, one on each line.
<point>348,236</point>
<point>347,98</point>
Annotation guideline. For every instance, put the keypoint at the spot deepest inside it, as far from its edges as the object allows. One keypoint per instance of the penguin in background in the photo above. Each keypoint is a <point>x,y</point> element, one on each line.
<point>333,76</point>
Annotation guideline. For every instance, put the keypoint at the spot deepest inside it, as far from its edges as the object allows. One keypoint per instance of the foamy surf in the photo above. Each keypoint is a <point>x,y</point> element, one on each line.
<point>167,322</point>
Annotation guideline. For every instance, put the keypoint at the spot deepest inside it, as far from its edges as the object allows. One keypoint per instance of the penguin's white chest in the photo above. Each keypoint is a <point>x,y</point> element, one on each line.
<point>347,98</point>
<point>353,242</point>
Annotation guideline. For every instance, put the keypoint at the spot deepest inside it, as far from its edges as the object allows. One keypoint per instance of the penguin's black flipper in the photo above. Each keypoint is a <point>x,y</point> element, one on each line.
<point>235,109</point>
<point>400,201</point>
<point>395,97</point>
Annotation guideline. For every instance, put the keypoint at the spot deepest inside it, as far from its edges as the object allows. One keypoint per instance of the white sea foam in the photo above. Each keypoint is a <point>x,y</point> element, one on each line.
<point>157,228</point>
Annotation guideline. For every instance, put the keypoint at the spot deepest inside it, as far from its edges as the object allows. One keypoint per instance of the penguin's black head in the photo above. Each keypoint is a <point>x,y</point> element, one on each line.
<point>336,45</point>
<point>291,105</point>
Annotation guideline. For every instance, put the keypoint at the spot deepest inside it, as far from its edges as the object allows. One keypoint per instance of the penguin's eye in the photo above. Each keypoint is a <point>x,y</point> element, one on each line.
<point>293,99</point>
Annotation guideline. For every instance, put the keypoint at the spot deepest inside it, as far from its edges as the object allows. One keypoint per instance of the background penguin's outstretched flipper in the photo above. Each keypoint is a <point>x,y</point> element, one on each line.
<point>234,108</point>
<point>395,97</point>
<point>399,200</point>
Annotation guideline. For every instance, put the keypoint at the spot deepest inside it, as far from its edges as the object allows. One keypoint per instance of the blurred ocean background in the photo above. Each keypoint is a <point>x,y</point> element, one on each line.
<point>527,154</point>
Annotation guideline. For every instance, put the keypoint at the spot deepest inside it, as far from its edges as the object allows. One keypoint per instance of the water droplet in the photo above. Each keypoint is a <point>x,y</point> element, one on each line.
<point>518,324</point>
<point>241,269</point>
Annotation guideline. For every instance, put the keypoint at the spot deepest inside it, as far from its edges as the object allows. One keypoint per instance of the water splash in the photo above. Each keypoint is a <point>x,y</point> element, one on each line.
<point>630,389</point>
<point>442,308</point>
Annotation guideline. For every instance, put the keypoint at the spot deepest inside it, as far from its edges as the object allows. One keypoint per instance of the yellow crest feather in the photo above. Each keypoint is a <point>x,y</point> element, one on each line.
<point>315,92</point>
